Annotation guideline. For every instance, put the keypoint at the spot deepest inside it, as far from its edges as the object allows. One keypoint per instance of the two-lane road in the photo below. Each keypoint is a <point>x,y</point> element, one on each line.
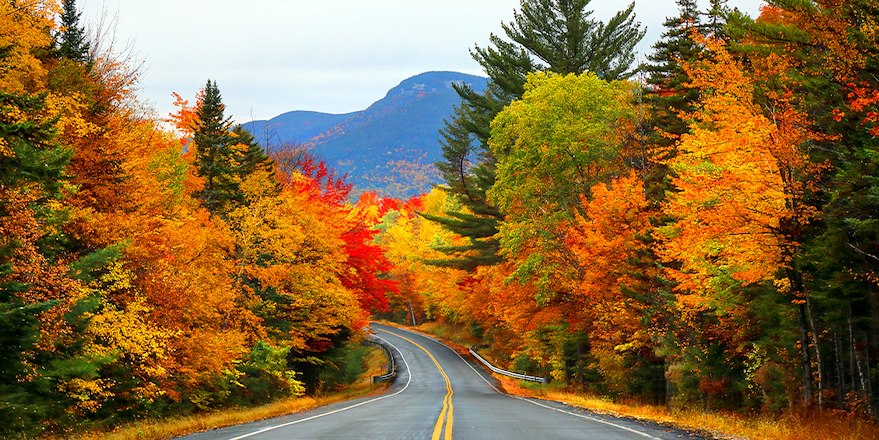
<point>439,395</point>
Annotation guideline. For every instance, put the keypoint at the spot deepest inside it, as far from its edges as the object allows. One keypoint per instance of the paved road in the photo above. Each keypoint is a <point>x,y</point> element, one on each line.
<point>439,395</point>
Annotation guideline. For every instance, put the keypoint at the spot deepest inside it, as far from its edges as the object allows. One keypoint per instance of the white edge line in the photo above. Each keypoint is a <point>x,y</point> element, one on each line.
<point>272,428</point>
<point>625,428</point>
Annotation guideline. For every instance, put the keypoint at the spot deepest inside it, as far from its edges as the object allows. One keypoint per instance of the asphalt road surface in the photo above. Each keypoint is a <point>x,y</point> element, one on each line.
<point>440,395</point>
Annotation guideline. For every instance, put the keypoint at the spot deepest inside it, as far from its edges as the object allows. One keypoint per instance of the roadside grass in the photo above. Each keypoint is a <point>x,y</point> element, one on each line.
<point>374,365</point>
<point>791,425</point>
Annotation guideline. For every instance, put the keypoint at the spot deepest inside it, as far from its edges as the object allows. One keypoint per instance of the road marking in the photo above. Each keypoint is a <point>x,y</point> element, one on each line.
<point>448,410</point>
<point>272,428</point>
<point>582,416</point>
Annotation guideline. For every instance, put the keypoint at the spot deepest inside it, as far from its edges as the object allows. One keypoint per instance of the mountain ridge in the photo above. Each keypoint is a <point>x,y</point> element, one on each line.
<point>390,146</point>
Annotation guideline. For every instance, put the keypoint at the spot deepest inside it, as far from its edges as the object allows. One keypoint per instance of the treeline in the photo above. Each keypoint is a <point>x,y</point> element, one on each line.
<point>699,231</point>
<point>145,271</point>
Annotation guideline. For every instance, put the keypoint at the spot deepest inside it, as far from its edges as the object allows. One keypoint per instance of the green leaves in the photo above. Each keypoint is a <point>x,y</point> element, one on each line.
<point>557,141</point>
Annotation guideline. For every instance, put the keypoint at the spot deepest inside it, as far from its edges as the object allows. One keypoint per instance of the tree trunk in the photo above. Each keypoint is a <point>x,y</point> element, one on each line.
<point>869,379</point>
<point>840,367</point>
<point>582,351</point>
<point>799,292</point>
<point>852,356</point>
<point>806,362</point>
<point>819,365</point>
<point>412,315</point>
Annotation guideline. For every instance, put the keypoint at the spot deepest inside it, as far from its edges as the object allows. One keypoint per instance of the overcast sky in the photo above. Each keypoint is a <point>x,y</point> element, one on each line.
<point>335,56</point>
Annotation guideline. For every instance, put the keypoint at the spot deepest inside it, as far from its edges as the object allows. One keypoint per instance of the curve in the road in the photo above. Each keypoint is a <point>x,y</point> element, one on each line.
<point>448,411</point>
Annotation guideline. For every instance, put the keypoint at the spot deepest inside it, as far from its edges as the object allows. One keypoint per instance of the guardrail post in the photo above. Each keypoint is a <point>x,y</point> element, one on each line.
<point>391,373</point>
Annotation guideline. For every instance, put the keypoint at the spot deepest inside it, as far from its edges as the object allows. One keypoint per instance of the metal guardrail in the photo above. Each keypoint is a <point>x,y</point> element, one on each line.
<point>505,372</point>
<point>392,365</point>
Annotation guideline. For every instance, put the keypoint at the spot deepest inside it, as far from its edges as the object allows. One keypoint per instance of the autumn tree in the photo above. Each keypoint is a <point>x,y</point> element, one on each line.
<point>545,35</point>
<point>608,293</point>
<point>741,184</point>
<point>829,50</point>
<point>565,134</point>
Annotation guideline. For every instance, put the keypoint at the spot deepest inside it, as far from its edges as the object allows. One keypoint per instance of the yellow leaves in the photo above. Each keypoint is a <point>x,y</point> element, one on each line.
<point>130,334</point>
<point>740,177</point>
<point>5,150</point>
<point>70,109</point>
<point>117,278</point>
<point>24,29</point>
<point>782,285</point>
<point>89,394</point>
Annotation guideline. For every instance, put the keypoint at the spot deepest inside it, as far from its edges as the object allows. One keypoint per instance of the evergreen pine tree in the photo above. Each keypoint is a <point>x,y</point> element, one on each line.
<point>72,43</point>
<point>668,94</point>
<point>715,22</point>
<point>215,161</point>
<point>546,35</point>
<point>31,163</point>
<point>254,157</point>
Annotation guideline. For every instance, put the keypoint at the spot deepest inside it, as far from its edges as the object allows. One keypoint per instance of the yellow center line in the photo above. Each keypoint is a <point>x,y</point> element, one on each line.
<point>447,413</point>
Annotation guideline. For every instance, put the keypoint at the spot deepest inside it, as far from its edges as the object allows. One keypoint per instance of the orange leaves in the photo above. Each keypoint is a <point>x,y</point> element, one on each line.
<point>184,266</point>
<point>822,25</point>
<point>20,231</point>
<point>185,118</point>
<point>740,178</point>
<point>608,236</point>
<point>604,242</point>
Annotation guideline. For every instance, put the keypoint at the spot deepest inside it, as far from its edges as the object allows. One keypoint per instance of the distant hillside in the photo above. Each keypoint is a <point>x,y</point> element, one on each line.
<point>390,146</point>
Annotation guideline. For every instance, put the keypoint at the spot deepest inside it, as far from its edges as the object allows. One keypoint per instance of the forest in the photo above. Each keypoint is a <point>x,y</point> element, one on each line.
<point>700,230</point>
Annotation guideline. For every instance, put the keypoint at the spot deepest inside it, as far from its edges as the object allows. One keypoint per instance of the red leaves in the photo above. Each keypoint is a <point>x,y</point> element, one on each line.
<point>367,263</point>
<point>322,181</point>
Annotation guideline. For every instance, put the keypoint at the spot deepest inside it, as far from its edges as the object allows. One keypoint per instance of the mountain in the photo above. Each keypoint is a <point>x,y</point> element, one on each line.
<point>390,146</point>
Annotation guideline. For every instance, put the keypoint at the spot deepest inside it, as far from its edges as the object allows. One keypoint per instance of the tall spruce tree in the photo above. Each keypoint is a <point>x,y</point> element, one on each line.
<point>715,19</point>
<point>32,174</point>
<point>72,41</point>
<point>215,161</point>
<point>667,92</point>
<point>545,35</point>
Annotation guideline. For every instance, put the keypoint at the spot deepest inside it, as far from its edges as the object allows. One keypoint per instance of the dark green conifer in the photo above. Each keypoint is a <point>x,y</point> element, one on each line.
<point>72,42</point>
<point>254,157</point>
<point>215,161</point>
<point>667,92</point>
<point>715,19</point>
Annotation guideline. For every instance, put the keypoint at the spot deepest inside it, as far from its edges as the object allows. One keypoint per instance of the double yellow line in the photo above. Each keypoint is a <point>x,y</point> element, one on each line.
<point>447,414</point>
